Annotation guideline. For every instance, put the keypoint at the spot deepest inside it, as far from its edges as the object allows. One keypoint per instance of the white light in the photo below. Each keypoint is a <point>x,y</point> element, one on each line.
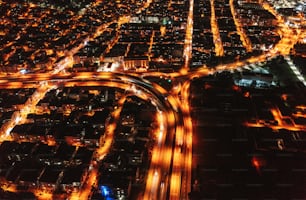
<point>8,131</point>
<point>86,42</point>
<point>18,119</point>
<point>23,71</point>
<point>160,137</point>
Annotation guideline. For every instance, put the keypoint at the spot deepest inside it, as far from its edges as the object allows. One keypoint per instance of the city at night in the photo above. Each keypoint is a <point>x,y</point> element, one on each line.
<point>152,99</point>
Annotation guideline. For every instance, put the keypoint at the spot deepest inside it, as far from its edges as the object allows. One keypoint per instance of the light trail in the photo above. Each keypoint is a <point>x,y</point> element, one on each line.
<point>159,164</point>
<point>188,37</point>
<point>215,31</point>
<point>151,45</point>
<point>187,138</point>
<point>175,182</point>
<point>91,181</point>
<point>26,108</point>
<point>109,133</point>
<point>180,179</point>
<point>179,182</point>
<point>153,179</point>
<point>243,37</point>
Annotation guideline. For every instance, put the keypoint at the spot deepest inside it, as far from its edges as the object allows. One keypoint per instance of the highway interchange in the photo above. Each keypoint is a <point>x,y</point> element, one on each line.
<point>169,175</point>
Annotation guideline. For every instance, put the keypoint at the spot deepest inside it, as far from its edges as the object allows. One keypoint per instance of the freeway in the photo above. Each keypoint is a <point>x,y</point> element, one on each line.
<point>169,175</point>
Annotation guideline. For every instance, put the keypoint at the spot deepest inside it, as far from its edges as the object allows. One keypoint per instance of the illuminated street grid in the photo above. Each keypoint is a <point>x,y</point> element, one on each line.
<point>79,79</point>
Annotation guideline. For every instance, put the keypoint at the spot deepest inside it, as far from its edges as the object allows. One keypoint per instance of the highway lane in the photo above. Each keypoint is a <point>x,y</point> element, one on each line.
<point>170,122</point>
<point>187,138</point>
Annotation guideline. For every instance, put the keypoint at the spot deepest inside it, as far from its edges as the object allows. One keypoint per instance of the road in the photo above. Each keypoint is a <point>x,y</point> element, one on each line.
<point>169,175</point>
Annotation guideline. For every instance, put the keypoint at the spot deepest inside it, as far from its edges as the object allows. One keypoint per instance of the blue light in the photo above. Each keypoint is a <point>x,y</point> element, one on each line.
<point>106,192</point>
